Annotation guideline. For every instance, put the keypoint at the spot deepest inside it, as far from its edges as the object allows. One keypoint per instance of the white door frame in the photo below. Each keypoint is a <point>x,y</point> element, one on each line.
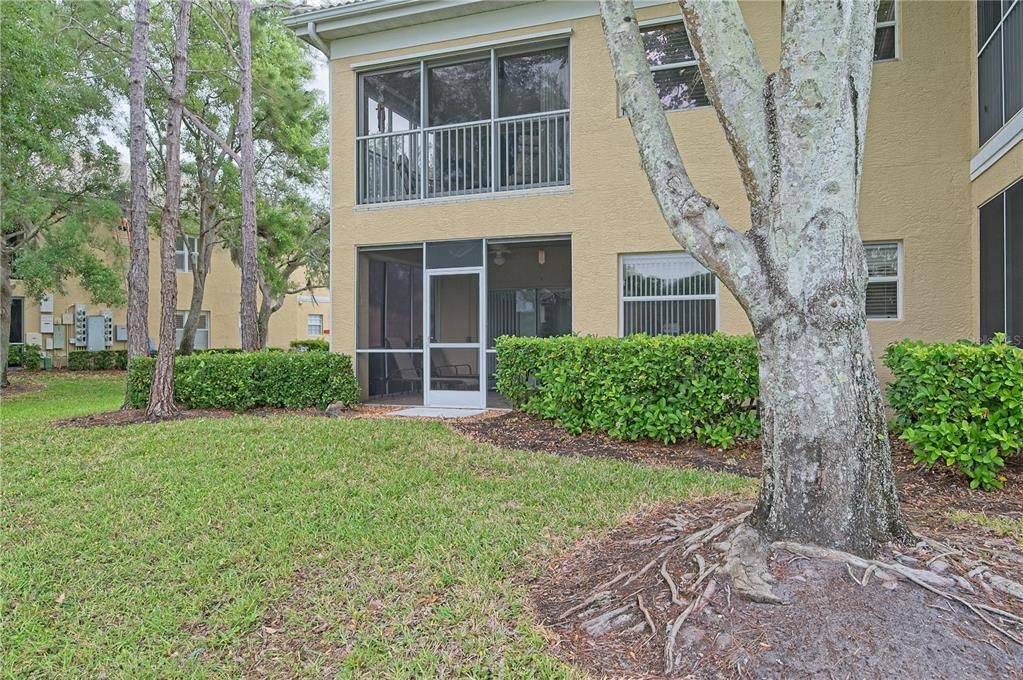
<point>455,398</point>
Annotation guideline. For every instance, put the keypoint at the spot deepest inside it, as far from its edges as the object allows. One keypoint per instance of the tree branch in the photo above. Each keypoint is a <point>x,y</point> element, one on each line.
<point>195,119</point>
<point>739,88</point>
<point>693,219</point>
<point>228,43</point>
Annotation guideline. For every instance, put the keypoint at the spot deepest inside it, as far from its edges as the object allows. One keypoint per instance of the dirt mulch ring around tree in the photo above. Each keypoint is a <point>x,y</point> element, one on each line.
<point>608,607</point>
<point>832,626</point>
<point>137,416</point>
<point>20,388</point>
<point>925,491</point>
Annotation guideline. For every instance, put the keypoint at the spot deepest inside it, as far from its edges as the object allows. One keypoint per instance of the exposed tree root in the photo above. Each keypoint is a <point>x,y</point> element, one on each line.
<point>742,555</point>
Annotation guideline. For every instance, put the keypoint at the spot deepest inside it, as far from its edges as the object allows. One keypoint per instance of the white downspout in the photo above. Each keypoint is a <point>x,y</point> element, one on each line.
<point>316,40</point>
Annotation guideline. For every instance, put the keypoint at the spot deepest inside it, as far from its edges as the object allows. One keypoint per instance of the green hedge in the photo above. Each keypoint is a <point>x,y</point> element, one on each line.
<point>98,361</point>
<point>249,380</point>
<point>960,403</point>
<point>310,345</point>
<point>662,387</point>
<point>26,356</point>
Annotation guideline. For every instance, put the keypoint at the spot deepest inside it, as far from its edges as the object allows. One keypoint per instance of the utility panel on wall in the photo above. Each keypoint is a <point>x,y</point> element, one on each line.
<point>46,323</point>
<point>46,304</point>
<point>121,333</point>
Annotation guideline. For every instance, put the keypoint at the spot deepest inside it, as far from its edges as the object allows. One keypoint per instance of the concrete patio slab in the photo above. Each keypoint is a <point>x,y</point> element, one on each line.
<point>427,412</point>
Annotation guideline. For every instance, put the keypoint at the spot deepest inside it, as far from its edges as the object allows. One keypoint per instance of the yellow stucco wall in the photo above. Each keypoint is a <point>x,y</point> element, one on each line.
<point>221,300</point>
<point>916,185</point>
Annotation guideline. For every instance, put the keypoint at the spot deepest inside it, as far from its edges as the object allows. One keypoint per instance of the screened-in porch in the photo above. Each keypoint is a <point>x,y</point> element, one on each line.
<point>428,314</point>
<point>490,121</point>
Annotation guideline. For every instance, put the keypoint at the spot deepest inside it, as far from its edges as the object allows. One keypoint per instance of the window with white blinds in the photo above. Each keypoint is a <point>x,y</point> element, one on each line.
<point>202,332</point>
<point>666,293</point>
<point>884,274</point>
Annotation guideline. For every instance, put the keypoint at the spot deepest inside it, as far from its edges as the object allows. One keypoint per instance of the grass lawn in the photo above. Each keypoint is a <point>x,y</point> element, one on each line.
<point>287,545</point>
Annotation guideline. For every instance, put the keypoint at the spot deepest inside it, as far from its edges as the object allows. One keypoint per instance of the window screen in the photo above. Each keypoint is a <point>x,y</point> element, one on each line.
<point>669,293</point>
<point>999,64</point>
<point>1001,265</point>
<point>882,280</point>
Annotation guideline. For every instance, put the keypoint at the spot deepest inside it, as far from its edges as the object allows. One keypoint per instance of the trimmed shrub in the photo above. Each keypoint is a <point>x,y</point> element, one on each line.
<point>662,387</point>
<point>31,357</point>
<point>104,360</point>
<point>310,345</point>
<point>217,350</point>
<point>15,355</point>
<point>251,379</point>
<point>961,403</point>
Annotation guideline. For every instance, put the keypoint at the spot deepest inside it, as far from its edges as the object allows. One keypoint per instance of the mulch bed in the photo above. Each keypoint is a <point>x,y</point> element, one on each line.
<point>832,626</point>
<point>137,416</point>
<point>923,490</point>
<point>20,388</point>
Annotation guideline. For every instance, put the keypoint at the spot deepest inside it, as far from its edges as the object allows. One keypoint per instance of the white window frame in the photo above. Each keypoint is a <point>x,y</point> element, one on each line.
<point>897,279</point>
<point>896,24</point>
<point>183,315</point>
<point>622,299</point>
<point>308,325</point>
<point>186,240</point>
<point>667,21</point>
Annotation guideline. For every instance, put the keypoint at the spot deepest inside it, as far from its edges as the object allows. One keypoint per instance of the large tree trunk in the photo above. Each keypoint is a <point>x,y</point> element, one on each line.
<point>161,395</point>
<point>827,476</point>
<point>6,304</point>
<point>800,273</point>
<point>138,233</point>
<point>200,270</point>
<point>269,304</point>
<point>249,324</point>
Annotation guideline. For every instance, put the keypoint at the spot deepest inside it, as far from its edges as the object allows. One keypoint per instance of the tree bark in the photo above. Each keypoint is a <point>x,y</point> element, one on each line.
<point>249,324</point>
<point>161,395</point>
<point>6,304</point>
<point>799,272</point>
<point>138,234</point>
<point>200,267</point>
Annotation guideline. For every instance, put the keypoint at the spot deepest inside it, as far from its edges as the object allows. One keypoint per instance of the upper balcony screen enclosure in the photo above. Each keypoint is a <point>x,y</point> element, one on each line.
<point>491,121</point>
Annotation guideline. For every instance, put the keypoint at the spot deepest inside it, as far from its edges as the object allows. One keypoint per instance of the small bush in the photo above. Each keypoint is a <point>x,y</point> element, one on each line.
<point>15,355</point>
<point>104,360</point>
<point>961,403</point>
<point>251,379</point>
<point>310,345</point>
<point>662,387</point>
<point>31,357</point>
<point>216,350</point>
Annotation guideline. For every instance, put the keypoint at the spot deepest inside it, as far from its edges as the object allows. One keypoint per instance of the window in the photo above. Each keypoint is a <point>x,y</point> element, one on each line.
<point>672,61</point>
<point>493,120</point>
<point>668,293</point>
<point>314,325</point>
<point>1001,265</point>
<point>886,31</point>
<point>999,63</point>
<point>202,332</point>
<point>884,270</point>
<point>186,250</point>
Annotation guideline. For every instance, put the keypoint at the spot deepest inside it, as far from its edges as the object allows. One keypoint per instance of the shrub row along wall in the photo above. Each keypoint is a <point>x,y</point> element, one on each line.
<point>26,356</point>
<point>960,403</point>
<point>98,361</point>
<point>248,380</point>
<point>663,387</point>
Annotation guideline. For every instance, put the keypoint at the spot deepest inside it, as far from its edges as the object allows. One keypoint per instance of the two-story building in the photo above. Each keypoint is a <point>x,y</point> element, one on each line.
<point>68,321</point>
<point>484,181</point>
